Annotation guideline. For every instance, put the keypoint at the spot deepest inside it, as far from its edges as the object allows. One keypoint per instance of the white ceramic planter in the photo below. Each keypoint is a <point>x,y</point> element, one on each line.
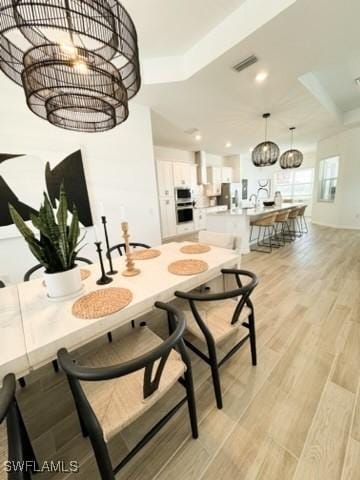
<point>63,284</point>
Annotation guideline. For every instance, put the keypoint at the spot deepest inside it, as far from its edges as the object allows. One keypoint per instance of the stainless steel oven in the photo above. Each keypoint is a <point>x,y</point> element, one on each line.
<point>184,212</point>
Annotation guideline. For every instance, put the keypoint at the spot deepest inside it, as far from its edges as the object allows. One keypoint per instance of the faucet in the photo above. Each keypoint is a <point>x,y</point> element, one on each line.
<point>256,198</point>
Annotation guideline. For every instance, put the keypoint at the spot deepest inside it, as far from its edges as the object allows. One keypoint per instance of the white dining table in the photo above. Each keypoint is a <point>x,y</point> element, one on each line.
<point>49,326</point>
<point>13,353</point>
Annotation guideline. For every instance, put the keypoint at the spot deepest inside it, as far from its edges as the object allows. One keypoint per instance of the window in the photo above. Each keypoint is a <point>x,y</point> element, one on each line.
<point>295,184</point>
<point>329,170</point>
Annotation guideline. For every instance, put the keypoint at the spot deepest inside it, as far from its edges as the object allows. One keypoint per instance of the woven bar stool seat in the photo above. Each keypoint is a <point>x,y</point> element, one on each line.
<point>302,219</point>
<point>294,228</point>
<point>282,226</point>
<point>266,225</point>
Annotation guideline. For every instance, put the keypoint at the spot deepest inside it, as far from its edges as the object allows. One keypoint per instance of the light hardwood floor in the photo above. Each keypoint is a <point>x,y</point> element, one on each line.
<point>295,416</point>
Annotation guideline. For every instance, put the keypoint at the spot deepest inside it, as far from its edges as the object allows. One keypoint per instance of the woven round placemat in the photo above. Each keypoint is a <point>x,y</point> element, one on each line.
<point>146,254</point>
<point>188,267</point>
<point>195,248</point>
<point>101,303</point>
<point>84,274</point>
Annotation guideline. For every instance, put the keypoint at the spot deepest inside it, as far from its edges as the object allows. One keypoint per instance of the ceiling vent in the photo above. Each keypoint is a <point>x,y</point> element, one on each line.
<point>245,63</point>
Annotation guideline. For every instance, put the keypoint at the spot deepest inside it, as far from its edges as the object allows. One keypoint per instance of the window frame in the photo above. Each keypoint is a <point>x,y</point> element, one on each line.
<point>322,180</point>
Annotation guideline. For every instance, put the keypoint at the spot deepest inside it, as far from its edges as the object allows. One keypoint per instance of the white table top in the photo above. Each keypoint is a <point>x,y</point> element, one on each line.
<point>258,211</point>
<point>13,355</point>
<point>49,326</point>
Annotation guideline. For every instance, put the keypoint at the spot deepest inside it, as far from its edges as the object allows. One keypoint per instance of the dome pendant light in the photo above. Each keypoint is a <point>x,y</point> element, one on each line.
<point>291,158</point>
<point>266,153</point>
<point>77,61</point>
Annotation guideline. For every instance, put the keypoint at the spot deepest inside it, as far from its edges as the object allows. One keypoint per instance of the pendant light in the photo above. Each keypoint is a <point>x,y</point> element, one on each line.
<point>266,153</point>
<point>291,158</point>
<point>77,61</point>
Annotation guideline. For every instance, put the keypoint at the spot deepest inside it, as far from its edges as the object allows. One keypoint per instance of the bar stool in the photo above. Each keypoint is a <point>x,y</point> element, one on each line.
<point>302,220</point>
<point>294,229</point>
<point>281,221</point>
<point>266,225</point>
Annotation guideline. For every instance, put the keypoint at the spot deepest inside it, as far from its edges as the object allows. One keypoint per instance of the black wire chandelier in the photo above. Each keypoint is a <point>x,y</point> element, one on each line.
<point>291,158</point>
<point>77,60</point>
<point>266,153</point>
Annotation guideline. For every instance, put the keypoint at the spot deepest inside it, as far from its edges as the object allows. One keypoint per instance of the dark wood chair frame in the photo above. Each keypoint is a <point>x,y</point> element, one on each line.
<point>20,450</point>
<point>244,292</point>
<point>120,247</point>
<point>27,277</point>
<point>88,420</point>
<point>37,267</point>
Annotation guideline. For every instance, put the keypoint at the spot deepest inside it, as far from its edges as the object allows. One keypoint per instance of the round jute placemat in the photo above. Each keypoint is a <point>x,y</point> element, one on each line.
<point>188,267</point>
<point>195,248</point>
<point>101,303</point>
<point>146,254</point>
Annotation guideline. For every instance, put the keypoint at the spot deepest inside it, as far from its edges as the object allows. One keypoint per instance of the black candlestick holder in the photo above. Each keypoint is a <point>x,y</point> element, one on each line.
<point>104,279</point>
<point>111,271</point>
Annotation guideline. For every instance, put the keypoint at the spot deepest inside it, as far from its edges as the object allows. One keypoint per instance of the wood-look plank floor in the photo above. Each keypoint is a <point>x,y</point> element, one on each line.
<point>295,416</point>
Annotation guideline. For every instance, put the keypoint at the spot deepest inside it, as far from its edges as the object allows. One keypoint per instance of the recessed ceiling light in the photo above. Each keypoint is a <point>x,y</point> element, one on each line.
<point>357,81</point>
<point>228,145</point>
<point>198,137</point>
<point>261,77</point>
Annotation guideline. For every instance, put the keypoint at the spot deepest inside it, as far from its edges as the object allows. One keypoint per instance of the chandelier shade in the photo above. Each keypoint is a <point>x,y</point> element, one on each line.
<point>77,61</point>
<point>292,158</point>
<point>266,153</point>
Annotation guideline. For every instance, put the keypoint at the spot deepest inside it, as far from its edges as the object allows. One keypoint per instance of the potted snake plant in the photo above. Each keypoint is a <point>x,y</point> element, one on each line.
<point>55,245</point>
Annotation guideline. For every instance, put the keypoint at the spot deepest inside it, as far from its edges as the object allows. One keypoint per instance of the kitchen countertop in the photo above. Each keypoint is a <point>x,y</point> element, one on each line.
<point>254,212</point>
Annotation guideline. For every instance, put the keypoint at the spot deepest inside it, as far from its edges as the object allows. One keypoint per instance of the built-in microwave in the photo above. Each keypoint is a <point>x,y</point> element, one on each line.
<point>183,195</point>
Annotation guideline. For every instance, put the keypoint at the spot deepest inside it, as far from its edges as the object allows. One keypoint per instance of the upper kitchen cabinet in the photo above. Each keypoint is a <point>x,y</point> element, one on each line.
<point>166,178</point>
<point>226,174</point>
<point>183,174</point>
<point>214,175</point>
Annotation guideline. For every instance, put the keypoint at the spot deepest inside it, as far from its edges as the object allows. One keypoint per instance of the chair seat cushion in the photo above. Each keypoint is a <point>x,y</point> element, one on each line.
<point>217,315</point>
<point>120,401</point>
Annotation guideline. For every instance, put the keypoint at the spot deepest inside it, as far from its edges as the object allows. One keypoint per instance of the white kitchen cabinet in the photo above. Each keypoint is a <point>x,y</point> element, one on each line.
<point>214,175</point>
<point>200,218</point>
<point>168,217</point>
<point>226,174</point>
<point>165,179</point>
<point>182,174</point>
<point>185,228</point>
<point>215,179</point>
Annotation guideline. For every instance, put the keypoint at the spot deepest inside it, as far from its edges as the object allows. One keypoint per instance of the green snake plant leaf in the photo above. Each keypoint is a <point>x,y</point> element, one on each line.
<point>35,220</point>
<point>25,231</point>
<point>74,231</point>
<point>62,214</point>
<point>57,246</point>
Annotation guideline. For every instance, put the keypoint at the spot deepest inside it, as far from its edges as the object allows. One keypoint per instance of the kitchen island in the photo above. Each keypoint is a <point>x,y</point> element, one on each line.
<point>237,221</point>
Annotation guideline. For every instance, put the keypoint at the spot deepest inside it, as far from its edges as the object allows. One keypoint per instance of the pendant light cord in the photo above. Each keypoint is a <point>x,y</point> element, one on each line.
<point>266,129</point>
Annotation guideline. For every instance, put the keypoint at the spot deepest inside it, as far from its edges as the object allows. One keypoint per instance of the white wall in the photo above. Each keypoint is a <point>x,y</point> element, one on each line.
<point>173,154</point>
<point>345,211</point>
<point>119,168</point>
